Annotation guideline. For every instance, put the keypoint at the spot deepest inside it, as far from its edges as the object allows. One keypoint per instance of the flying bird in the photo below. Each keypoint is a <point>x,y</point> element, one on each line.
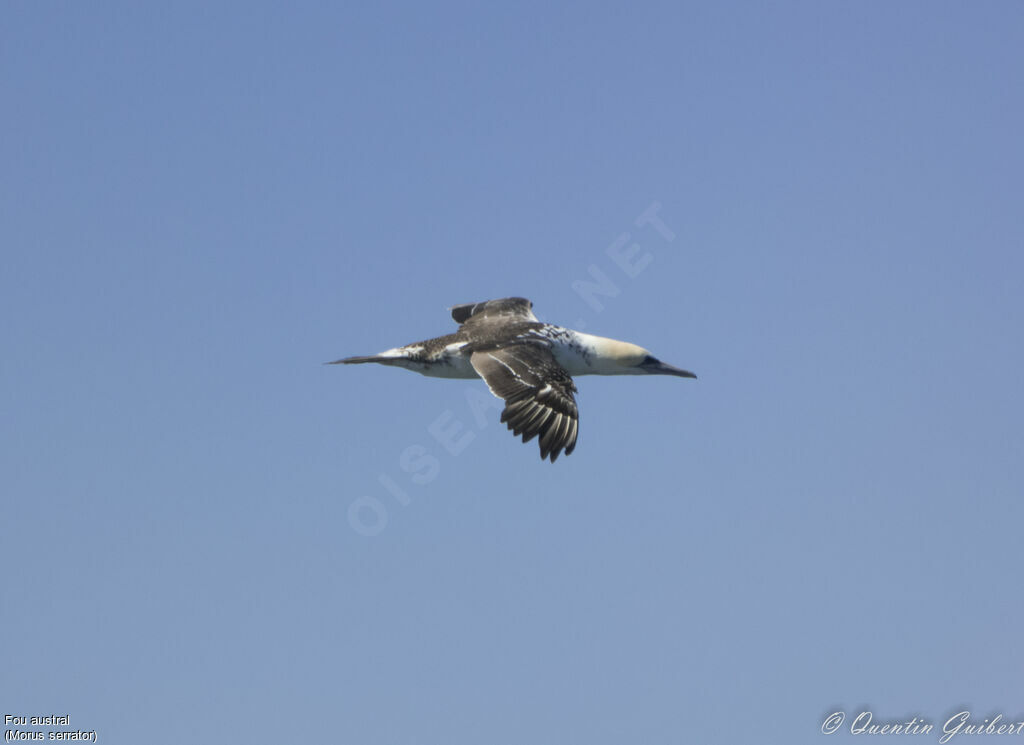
<point>527,363</point>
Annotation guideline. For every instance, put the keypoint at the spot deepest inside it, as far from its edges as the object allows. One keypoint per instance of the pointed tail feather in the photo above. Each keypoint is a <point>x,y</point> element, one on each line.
<point>356,360</point>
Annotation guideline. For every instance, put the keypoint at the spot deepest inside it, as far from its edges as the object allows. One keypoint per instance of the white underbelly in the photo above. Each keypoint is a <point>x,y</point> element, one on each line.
<point>571,359</point>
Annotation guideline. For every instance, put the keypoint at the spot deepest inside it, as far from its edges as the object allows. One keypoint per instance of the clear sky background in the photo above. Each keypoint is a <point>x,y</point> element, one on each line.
<point>209,536</point>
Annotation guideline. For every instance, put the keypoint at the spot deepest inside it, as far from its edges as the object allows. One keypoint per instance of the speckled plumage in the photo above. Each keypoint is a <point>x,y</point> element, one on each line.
<point>527,363</point>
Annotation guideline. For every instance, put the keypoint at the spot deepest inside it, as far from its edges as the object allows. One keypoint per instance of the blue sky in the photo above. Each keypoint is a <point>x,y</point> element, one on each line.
<point>201,204</point>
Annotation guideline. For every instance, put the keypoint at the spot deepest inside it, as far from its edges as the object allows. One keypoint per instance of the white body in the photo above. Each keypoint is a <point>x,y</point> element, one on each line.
<point>578,353</point>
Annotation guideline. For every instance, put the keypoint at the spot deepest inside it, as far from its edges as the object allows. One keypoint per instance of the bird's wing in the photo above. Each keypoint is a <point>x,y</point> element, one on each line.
<point>537,392</point>
<point>518,308</point>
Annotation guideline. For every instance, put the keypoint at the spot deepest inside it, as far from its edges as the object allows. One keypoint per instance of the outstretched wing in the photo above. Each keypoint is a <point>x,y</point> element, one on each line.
<point>537,392</point>
<point>507,308</point>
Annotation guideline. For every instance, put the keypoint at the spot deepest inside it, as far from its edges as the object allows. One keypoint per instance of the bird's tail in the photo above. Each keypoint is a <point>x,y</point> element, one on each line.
<point>356,360</point>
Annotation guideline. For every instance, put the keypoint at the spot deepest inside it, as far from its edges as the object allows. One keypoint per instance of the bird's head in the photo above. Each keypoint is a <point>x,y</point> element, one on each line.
<point>622,358</point>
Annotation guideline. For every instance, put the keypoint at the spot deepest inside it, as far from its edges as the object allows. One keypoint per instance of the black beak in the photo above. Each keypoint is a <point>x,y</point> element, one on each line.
<point>657,367</point>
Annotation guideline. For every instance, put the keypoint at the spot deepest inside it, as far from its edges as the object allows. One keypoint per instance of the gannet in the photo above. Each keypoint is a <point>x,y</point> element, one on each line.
<point>527,363</point>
